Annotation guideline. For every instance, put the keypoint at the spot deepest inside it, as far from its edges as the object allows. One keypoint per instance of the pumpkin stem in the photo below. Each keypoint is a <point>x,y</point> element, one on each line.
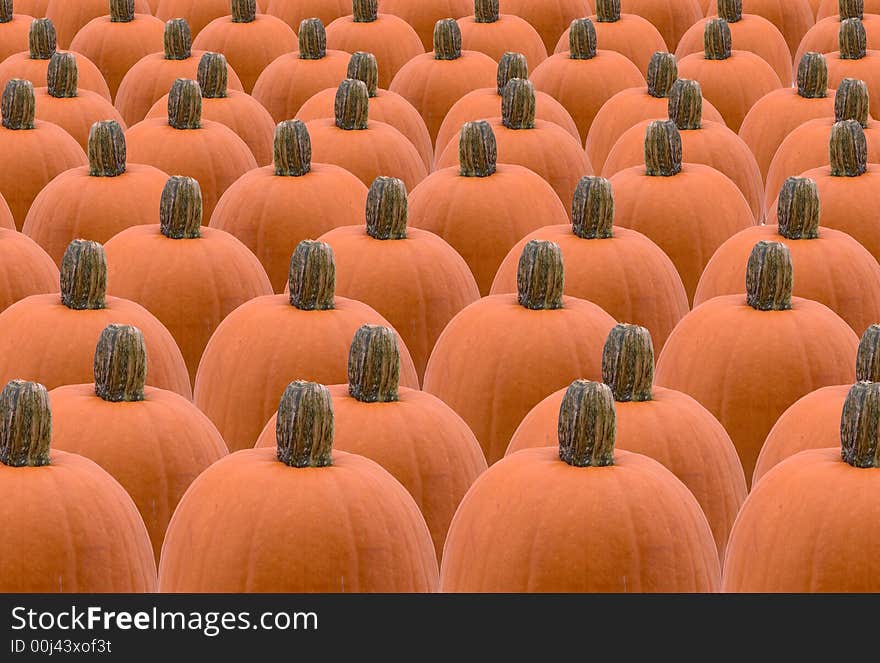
<point>848,149</point>
<point>106,149</point>
<point>812,76</point>
<point>352,106</point>
<point>607,11</point>
<point>798,209</point>
<point>851,9</point>
<point>769,277</point>
<point>477,150</point>
<point>185,104</point>
<point>365,11</point>
<point>304,428</point>
<point>868,356</point>
<point>730,10</point>
<point>662,149</point>
<point>592,209</point>
<point>628,363</point>
<point>510,66</point>
<point>213,76</point>
<point>292,149</point>
<point>486,11</point>
<point>84,276</point>
<point>363,67</point>
<point>685,106</point>
<point>518,104</point>
<point>62,76</point>
<point>851,101</point>
<point>121,364</point>
<point>374,365</point>
<point>587,425</point>
<point>178,39</point>
<point>859,426</point>
<point>180,208</point>
<point>244,11</point>
<point>121,11</point>
<point>41,39</point>
<point>662,74</point>
<point>852,40</point>
<point>6,11</point>
<point>582,39</point>
<point>387,209</point>
<point>716,39</point>
<point>25,424</point>
<point>447,39</point>
<point>312,276</point>
<point>17,106</point>
<point>312,39</point>
<point>540,278</point>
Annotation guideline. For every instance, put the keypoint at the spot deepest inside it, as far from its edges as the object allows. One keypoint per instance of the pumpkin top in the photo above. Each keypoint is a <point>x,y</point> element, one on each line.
<point>730,10</point>
<point>812,76</point>
<point>798,209</point>
<point>365,11</point>
<point>662,74</point>
<point>25,424</point>
<point>859,426</point>
<point>518,104</point>
<point>363,67</point>
<point>716,39</point>
<point>868,355</point>
<point>41,39</point>
<point>106,149</point>
<point>769,277</point>
<point>62,76</point>
<point>851,9</point>
<point>185,104</point>
<point>213,76</point>
<point>6,11</point>
<point>17,105</point>
<point>121,11</point>
<point>84,276</point>
<point>685,106</point>
<point>178,39</point>
<point>662,149</point>
<point>587,425</point>
<point>510,66</point>
<point>851,101</point>
<point>312,276</point>
<point>540,277</point>
<point>477,150</point>
<point>582,39</point>
<point>607,11</point>
<point>244,11</point>
<point>592,209</point>
<point>312,39</point>
<point>447,39</point>
<point>852,40</point>
<point>848,149</point>
<point>292,152</point>
<point>374,365</point>
<point>180,208</point>
<point>304,427</point>
<point>121,364</point>
<point>628,363</point>
<point>387,209</point>
<point>486,11</point>
<point>352,105</point>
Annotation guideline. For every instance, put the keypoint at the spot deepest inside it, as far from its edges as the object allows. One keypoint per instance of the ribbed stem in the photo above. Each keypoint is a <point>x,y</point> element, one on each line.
<point>582,39</point>
<point>387,209</point>
<point>185,104</point>
<point>178,39</point>
<point>121,11</point>
<point>84,276</point>
<point>363,67</point>
<point>17,105</point>
<point>447,39</point>
<point>41,39</point>
<point>662,149</point>
<point>859,426</point>
<point>851,101</point>
<point>213,76</point>
<point>6,11</point>
<point>365,11</point>
<point>868,356</point>
<point>592,209</point>
<point>716,39</point>
<point>769,277</point>
<point>812,76</point>
<point>848,149</point>
<point>312,39</point>
<point>121,364</point>
<point>518,104</point>
<point>587,425</point>
<point>798,210</point>
<point>292,149</point>
<point>607,11</point>
<point>540,277</point>
<point>180,208</point>
<point>510,66</point>
<point>312,277</point>
<point>685,106</point>
<point>25,424</point>
<point>244,11</point>
<point>374,365</point>
<point>730,10</point>
<point>852,39</point>
<point>304,427</point>
<point>352,105</point>
<point>628,363</point>
<point>662,74</point>
<point>477,150</point>
<point>486,11</point>
<point>62,76</point>
<point>851,9</point>
<point>106,149</point>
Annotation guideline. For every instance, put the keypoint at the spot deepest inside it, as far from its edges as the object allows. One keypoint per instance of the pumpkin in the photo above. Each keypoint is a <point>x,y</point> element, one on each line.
<point>544,147</point>
<point>93,540</point>
<point>493,33</point>
<point>732,80</point>
<point>385,106</point>
<point>62,103</point>
<point>262,344</point>
<point>663,424</point>
<point>52,340</point>
<point>487,102</point>
<point>433,82</point>
<point>629,34</point>
<point>481,207</point>
<point>582,516</point>
<point>32,152</point>
<point>69,18</point>
<point>35,8</point>
<point>116,42</point>
<point>364,147</point>
<point>25,268</point>
<point>273,208</point>
<point>687,209</point>
<point>14,30</point>
<point>153,442</point>
<point>423,15</point>
<point>853,60</point>
<point>237,110</point>
<point>832,7</point>
<point>198,14</point>
<point>294,12</point>
<point>824,36</point>
<point>7,222</point>
<point>185,143</point>
<point>502,355</point>
<point>818,504</point>
<point>95,201</point>
<point>584,78</point>
<point>549,17</point>
<point>792,17</point>
<point>286,84</point>
<point>388,37</point>
<point>726,351</point>
<point>250,41</point>
<point>620,270</point>
<point>412,434</point>
<point>671,17</point>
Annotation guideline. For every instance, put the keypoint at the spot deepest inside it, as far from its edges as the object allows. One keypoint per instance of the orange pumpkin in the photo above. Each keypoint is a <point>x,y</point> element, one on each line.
<point>52,340</point>
<point>671,17</point>
<point>423,15</point>
<point>549,17</point>
<point>502,355</point>
<point>412,434</point>
<point>824,36</point>
<point>14,29</point>
<point>620,270</point>
<point>582,516</point>
<point>294,12</point>
<point>832,7</point>
<point>69,18</point>
<point>198,14</point>
<point>792,17</point>
<point>663,424</point>
<point>35,8</point>
<point>262,344</point>
<point>853,60</point>
<point>25,269</point>
<point>93,540</point>
<point>481,207</point>
<point>153,442</point>
<point>493,33</point>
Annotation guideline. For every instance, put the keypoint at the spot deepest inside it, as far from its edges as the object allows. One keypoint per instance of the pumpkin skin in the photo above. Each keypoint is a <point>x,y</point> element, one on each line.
<point>792,17</point>
<point>293,12</point>
<point>25,269</point>
<point>14,34</point>
<point>671,17</point>
<point>823,37</point>
<point>549,17</point>
<point>35,8</point>
<point>505,32</point>
<point>70,18</point>
<point>197,14</point>
<point>21,65</point>
<point>424,14</point>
